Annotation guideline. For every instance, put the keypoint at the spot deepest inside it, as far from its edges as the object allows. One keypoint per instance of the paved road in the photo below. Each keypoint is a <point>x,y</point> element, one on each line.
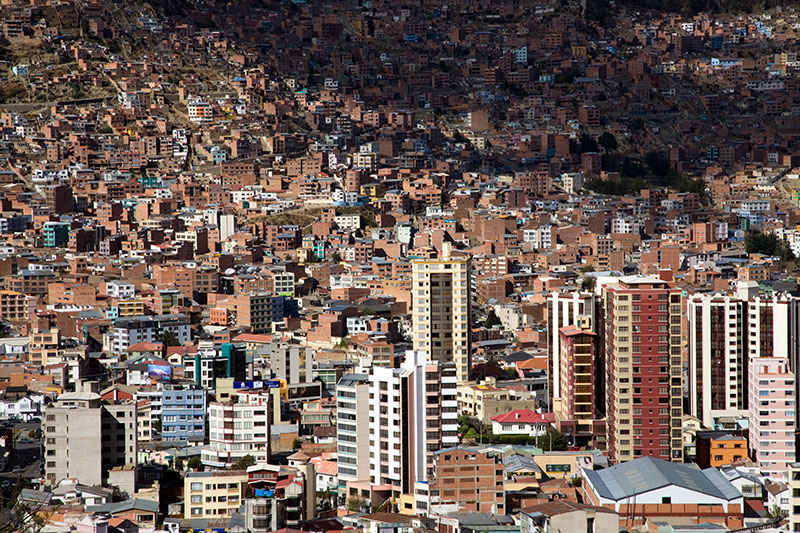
<point>27,456</point>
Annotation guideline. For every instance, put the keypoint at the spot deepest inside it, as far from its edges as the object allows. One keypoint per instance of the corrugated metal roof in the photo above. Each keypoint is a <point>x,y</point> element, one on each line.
<point>647,474</point>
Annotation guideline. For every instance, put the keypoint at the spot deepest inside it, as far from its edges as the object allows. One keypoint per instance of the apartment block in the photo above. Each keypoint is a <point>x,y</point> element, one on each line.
<point>212,495</point>
<point>644,396</point>
<point>717,357</point>
<point>183,413</point>
<point>772,414</point>
<point>467,480</point>
<point>43,345</point>
<point>794,502</point>
<point>290,362</point>
<point>413,413</point>
<point>442,310</point>
<point>129,331</point>
<point>565,309</point>
<point>238,428</point>
<point>576,409</point>
<point>84,437</point>
<point>352,409</point>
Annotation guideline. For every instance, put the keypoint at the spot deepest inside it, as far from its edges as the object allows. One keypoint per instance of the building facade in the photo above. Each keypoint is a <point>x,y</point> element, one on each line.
<point>772,414</point>
<point>183,413</point>
<point>644,394</point>
<point>85,437</point>
<point>238,428</point>
<point>442,310</point>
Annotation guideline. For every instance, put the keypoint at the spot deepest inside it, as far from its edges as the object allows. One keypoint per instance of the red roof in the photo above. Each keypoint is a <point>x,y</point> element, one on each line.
<point>146,347</point>
<point>520,416</point>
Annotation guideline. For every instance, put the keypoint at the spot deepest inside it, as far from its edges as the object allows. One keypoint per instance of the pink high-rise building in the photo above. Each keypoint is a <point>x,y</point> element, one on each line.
<point>772,414</point>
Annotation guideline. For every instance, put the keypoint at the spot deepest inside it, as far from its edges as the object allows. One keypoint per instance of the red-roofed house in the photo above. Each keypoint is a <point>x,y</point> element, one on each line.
<point>520,422</point>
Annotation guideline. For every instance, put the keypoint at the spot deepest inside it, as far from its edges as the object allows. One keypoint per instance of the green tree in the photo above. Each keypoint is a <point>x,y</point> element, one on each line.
<point>657,163</point>
<point>32,434</point>
<point>354,504</point>
<point>296,444</point>
<point>243,463</point>
<point>608,141</point>
<point>492,319</point>
<point>587,142</point>
<point>195,463</point>
<point>768,244</point>
<point>512,372</point>
<point>168,338</point>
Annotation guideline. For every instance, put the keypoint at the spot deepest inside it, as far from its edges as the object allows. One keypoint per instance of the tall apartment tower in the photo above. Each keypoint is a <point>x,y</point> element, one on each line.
<point>772,415</point>
<point>85,437</point>
<point>238,428</point>
<point>442,310</point>
<point>794,502</point>
<point>576,410</point>
<point>773,326</point>
<point>717,357</point>
<point>725,334</point>
<point>564,309</point>
<point>352,430</point>
<point>413,413</point>
<point>643,369</point>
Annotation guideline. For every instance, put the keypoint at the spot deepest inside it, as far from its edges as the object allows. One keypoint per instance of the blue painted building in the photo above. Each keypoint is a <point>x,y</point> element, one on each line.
<point>183,413</point>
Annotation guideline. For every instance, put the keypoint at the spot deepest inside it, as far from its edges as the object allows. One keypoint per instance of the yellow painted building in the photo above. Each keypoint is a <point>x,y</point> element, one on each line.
<point>213,494</point>
<point>130,308</point>
<point>471,398</point>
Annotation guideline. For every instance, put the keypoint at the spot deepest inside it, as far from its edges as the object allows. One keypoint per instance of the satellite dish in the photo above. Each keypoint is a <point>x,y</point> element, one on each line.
<point>230,271</point>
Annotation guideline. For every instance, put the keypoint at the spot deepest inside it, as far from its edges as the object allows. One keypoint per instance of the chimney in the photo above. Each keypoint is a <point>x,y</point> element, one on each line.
<point>445,250</point>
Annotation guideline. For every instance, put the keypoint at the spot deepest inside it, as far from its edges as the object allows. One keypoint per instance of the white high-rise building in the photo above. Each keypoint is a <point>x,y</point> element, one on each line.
<point>238,428</point>
<point>442,310</point>
<point>352,430</point>
<point>563,309</point>
<point>413,413</point>
<point>389,434</point>
<point>773,324</point>
<point>717,362</point>
<point>725,333</point>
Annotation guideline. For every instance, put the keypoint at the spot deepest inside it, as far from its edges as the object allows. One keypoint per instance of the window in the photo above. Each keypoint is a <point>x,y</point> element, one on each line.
<point>197,486</point>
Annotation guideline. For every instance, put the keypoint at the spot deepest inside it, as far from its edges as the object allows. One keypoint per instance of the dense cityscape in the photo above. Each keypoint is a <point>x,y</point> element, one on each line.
<point>458,266</point>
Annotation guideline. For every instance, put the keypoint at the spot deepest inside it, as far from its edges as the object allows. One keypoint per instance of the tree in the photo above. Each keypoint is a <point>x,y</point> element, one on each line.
<point>608,141</point>
<point>195,463</point>
<point>243,463</point>
<point>768,244</point>
<point>336,258</point>
<point>156,426</point>
<point>296,444</point>
<point>354,504</point>
<point>492,319</point>
<point>587,142</point>
<point>512,372</point>
<point>657,163</point>
<point>168,338</point>
<point>32,434</point>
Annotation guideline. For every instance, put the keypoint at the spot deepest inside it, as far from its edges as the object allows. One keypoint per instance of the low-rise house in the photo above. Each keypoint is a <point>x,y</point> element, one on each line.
<point>560,515</point>
<point>520,422</point>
